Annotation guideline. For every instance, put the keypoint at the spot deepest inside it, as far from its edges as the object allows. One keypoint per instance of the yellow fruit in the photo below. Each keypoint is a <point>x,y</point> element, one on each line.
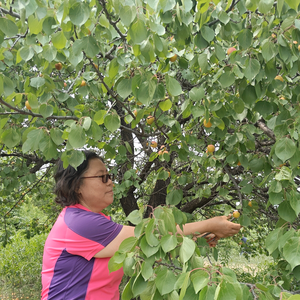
<point>236,214</point>
<point>27,105</point>
<point>273,35</point>
<point>207,124</point>
<point>239,163</point>
<point>83,83</point>
<point>135,112</point>
<point>230,50</point>
<point>279,77</point>
<point>250,203</point>
<point>173,58</point>
<point>169,173</point>
<point>299,47</point>
<point>295,42</point>
<point>58,66</point>
<point>65,84</point>
<point>150,120</point>
<point>210,148</point>
<point>153,144</point>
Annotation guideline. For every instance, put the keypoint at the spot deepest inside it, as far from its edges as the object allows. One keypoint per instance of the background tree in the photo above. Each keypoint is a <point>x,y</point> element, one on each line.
<point>193,104</point>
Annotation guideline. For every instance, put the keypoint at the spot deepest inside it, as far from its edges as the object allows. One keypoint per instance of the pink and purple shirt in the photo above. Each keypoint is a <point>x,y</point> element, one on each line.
<point>70,270</point>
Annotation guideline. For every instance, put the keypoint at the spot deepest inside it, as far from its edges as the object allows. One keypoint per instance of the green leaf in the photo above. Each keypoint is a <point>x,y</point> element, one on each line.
<point>37,82</point>
<point>56,136</point>
<point>199,278</point>
<point>79,13</point>
<point>272,240</point>
<point>33,140</point>
<point>269,50</point>
<point>49,52</point>
<point>264,108</point>
<point>165,105</point>
<point>99,117</point>
<point>127,14</point>
<point>174,197</point>
<point>245,38</point>
<point>227,79</point>
<point>173,86</point>
<point>291,251</point>
<point>285,148</point>
<point>149,233</point>
<point>127,244</point>
<point>112,122</point>
<point>252,68</point>
<point>46,110</point>
<point>11,137</point>
<point>8,27</point>
<point>90,46</point>
<point>207,293</point>
<point>196,94</point>
<point>294,297</point>
<point>146,92</point>
<point>284,174</point>
<point>59,40</point>
<point>77,137</point>
<point>293,4</point>
<point>265,6</point>
<point>295,201</point>
<point>48,148</point>
<point>249,95</point>
<point>147,249</point>
<point>26,53</point>
<point>124,88</point>
<point>33,101</point>
<point>76,158</point>
<point>135,217</point>
<point>49,25</point>
<point>147,51</point>
<point>286,212</point>
<point>226,291</point>
<point>207,33</point>
<point>35,26</point>
<point>8,86</point>
<point>138,31</point>
<point>187,249</point>
<point>168,242</point>
<point>165,281</point>
<point>184,286</point>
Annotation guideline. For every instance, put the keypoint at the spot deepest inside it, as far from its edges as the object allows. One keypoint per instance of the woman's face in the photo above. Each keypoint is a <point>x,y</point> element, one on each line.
<point>93,193</point>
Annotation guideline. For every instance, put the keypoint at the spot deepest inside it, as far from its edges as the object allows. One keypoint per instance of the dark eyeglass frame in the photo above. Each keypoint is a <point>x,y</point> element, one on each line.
<point>104,177</point>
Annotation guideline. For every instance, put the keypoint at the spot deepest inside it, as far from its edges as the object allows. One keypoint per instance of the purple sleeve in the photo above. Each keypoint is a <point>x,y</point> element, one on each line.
<point>92,226</point>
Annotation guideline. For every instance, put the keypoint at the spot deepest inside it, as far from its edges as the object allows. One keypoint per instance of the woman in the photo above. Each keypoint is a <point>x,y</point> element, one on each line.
<point>82,240</point>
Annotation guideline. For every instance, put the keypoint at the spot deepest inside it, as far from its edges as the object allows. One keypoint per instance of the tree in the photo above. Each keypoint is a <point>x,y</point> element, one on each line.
<point>90,73</point>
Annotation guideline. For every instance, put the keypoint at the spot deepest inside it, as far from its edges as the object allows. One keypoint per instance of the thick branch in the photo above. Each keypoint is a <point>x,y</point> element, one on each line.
<point>261,124</point>
<point>9,12</point>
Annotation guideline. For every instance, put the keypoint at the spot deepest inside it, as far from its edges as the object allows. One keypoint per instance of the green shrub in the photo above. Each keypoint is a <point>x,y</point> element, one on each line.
<point>20,267</point>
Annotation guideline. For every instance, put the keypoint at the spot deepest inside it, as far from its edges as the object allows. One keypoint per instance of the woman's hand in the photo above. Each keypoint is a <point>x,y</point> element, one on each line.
<point>222,227</point>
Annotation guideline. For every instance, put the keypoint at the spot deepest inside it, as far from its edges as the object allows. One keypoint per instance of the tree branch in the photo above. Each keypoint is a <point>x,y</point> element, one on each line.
<point>261,124</point>
<point>113,23</point>
<point>22,112</point>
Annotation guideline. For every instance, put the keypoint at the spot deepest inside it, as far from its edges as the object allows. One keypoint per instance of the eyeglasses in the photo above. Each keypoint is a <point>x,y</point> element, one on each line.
<point>104,177</point>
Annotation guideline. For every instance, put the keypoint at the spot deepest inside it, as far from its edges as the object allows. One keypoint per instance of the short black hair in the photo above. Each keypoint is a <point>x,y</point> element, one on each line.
<point>68,180</point>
